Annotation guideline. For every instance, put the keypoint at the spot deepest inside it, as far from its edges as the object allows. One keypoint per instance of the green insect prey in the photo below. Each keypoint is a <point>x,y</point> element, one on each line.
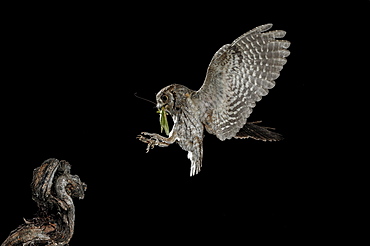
<point>163,121</point>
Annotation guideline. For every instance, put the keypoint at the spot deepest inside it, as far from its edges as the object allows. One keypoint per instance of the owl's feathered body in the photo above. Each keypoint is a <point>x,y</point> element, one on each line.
<point>239,75</point>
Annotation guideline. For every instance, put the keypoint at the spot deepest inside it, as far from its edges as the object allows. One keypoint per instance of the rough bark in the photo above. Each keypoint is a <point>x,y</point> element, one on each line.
<point>53,188</point>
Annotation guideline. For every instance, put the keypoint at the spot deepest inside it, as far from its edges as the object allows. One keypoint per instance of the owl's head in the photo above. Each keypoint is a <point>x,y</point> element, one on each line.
<point>172,98</point>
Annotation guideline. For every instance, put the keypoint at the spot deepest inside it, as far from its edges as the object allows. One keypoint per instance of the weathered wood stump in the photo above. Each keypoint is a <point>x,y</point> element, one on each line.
<point>53,188</point>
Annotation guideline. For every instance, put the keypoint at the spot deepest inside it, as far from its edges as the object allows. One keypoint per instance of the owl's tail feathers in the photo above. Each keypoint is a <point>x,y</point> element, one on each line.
<point>251,130</point>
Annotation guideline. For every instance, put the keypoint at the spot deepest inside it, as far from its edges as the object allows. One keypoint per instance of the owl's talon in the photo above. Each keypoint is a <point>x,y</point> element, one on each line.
<point>149,147</point>
<point>148,134</point>
<point>152,141</point>
<point>143,139</point>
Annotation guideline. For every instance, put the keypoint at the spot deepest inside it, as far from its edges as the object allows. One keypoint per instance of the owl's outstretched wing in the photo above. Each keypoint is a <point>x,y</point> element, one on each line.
<point>238,76</point>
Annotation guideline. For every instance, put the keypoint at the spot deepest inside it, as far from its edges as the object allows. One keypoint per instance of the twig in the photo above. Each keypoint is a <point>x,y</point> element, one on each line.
<point>53,188</point>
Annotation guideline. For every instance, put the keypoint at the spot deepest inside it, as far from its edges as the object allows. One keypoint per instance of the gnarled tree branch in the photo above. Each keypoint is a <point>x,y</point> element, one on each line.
<point>53,188</point>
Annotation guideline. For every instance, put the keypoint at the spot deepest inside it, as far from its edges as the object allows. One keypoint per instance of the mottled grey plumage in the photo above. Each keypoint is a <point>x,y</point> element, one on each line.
<point>239,75</point>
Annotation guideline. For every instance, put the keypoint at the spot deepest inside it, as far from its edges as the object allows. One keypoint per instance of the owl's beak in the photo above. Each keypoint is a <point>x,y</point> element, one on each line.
<point>162,107</point>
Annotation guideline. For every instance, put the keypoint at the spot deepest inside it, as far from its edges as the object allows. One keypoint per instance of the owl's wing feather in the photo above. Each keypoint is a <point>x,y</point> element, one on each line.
<point>239,75</point>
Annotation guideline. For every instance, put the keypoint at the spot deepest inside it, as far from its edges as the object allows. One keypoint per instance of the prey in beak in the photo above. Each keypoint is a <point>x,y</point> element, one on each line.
<point>163,120</point>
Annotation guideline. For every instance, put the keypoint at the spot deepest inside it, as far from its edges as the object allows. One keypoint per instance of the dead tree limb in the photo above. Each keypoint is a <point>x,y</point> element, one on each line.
<point>53,188</point>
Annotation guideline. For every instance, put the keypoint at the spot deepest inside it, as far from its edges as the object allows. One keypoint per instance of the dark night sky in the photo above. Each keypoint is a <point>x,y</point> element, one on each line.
<point>72,72</point>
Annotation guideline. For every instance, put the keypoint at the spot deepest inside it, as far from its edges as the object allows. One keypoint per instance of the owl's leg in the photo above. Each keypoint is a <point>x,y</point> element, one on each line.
<point>154,139</point>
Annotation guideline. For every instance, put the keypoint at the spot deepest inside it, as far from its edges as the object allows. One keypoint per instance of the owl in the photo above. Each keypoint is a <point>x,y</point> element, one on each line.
<point>238,76</point>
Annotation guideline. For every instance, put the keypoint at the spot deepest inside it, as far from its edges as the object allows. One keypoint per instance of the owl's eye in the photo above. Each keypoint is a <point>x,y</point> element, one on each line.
<point>164,98</point>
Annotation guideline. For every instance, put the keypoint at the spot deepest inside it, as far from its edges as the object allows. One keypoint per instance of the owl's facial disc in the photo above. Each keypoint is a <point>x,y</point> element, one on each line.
<point>164,102</point>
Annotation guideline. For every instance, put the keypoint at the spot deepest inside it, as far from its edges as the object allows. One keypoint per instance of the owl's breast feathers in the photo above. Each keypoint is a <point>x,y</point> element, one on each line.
<point>189,132</point>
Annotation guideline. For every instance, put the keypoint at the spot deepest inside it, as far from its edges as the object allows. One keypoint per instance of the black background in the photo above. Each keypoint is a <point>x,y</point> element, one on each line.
<point>69,80</point>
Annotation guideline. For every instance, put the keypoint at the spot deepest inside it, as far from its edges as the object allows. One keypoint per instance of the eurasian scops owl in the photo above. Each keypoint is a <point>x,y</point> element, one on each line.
<point>239,75</point>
